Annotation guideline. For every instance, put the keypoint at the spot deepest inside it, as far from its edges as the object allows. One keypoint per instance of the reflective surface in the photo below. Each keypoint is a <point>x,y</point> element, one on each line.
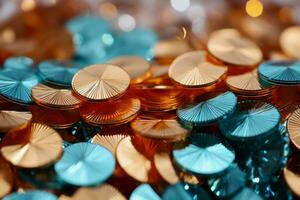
<point>144,191</point>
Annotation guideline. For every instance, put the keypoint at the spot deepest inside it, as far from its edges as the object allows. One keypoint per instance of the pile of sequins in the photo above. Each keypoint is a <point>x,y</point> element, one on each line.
<point>148,123</point>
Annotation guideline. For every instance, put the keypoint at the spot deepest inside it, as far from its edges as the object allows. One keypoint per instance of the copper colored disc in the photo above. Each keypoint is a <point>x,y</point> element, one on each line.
<point>133,162</point>
<point>291,173</point>
<point>115,112</point>
<point>193,70</point>
<point>171,48</point>
<point>59,119</point>
<point>35,146</point>
<point>159,126</point>
<point>108,141</point>
<point>102,192</point>
<point>6,178</point>
<point>165,167</point>
<point>54,98</point>
<point>231,48</point>
<point>13,119</point>
<point>289,41</point>
<point>293,128</point>
<point>137,67</point>
<point>100,82</point>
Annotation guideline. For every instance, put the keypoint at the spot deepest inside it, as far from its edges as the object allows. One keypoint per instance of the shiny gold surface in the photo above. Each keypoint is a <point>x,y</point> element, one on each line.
<point>6,178</point>
<point>137,67</point>
<point>193,70</point>
<point>108,141</point>
<point>13,119</point>
<point>115,112</point>
<point>100,82</point>
<point>54,98</point>
<point>171,48</point>
<point>35,146</point>
<point>293,128</point>
<point>232,48</point>
<point>159,126</point>
<point>165,167</point>
<point>102,192</point>
<point>289,41</point>
<point>133,162</point>
<point>291,173</point>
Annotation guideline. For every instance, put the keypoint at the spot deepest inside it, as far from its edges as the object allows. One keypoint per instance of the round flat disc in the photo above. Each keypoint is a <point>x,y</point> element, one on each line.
<point>144,191</point>
<point>193,70</point>
<point>13,119</point>
<point>35,146</point>
<point>85,164</point>
<point>159,126</point>
<point>164,166</point>
<point>293,128</point>
<point>6,178</point>
<point>100,82</point>
<point>289,41</point>
<point>108,141</point>
<point>102,192</point>
<point>209,111</point>
<point>57,72</point>
<point>291,173</point>
<point>230,47</point>
<point>31,195</point>
<point>137,67</point>
<point>54,98</point>
<point>204,155</point>
<point>251,120</point>
<point>16,85</point>
<point>133,162</point>
<point>280,72</point>
<point>18,63</point>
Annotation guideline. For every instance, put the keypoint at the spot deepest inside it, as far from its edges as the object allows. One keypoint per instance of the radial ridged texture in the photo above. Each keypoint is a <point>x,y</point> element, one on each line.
<point>159,126</point>
<point>252,119</point>
<point>113,112</point>
<point>280,72</point>
<point>204,155</point>
<point>13,119</point>
<point>133,162</point>
<point>144,192</point>
<point>16,86</point>
<point>164,166</point>
<point>102,192</point>
<point>35,146</point>
<point>100,82</point>
<point>293,128</point>
<point>108,141</point>
<point>230,47</point>
<point>31,195</point>
<point>193,70</point>
<point>209,111</point>
<point>85,164</point>
<point>55,98</point>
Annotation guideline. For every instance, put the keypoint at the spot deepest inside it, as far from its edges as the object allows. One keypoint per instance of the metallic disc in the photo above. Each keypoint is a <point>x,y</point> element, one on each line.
<point>185,191</point>
<point>54,98</point>
<point>171,48</point>
<point>230,47</point>
<point>144,191</point>
<point>133,162</point>
<point>293,128</point>
<point>164,166</point>
<point>209,111</point>
<point>115,112</point>
<point>252,119</point>
<point>289,41</point>
<point>16,85</point>
<point>6,178</point>
<point>31,195</point>
<point>291,173</point>
<point>280,72</point>
<point>204,155</point>
<point>193,70</point>
<point>85,164</point>
<point>137,67</point>
<point>100,82</point>
<point>35,146</point>
<point>159,126</point>
<point>108,141</point>
<point>18,63</point>
<point>102,192</point>
<point>58,72</point>
<point>247,193</point>
<point>13,119</point>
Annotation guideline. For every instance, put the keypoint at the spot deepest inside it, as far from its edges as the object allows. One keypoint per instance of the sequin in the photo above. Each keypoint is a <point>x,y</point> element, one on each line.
<point>144,191</point>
